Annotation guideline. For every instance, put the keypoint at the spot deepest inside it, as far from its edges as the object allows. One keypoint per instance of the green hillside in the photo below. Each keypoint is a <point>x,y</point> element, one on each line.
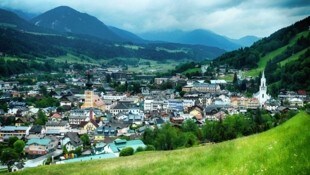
<point>277,48</point>
<point>263,60</point>
<point>282,150</point>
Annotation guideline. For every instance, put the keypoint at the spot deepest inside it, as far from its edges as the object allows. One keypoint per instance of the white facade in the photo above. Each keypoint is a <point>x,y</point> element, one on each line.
<point>262,95</point>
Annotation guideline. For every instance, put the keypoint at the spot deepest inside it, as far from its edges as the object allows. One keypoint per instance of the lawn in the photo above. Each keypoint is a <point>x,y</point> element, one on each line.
<point>282,150</point>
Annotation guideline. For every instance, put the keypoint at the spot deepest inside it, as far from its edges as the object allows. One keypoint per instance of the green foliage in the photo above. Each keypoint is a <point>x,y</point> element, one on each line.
<point>85,139</point>
<point>4,106</point>
<point>8,157</point>
<point>140,149</point>
<point>149,148</point>
<point>41,119</point>
<point>12,140</point>
<point>47,102</point>
<point>128,151</point>
<point>78,151</point>
<point>19,146</point>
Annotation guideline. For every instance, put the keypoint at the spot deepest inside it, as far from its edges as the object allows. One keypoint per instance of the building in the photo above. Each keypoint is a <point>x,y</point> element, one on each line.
<point>13,131</point>
<point>92,100</point>
<point>244,103</point>
<point>71,141</point>
<point>262,95</point>
<point>38,146</point>
<point>201,87</point>
<point>125,107</point>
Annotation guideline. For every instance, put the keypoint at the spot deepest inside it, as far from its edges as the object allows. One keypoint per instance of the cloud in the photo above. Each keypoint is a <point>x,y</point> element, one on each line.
<point>233,18</point>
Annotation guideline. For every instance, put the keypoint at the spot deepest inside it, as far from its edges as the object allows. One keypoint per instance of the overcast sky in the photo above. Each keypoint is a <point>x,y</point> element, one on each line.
<point>232,18</point>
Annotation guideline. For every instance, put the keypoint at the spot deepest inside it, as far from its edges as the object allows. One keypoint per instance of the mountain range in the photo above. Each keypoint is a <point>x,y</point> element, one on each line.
<point>65,19</point>
<point>202,37</point>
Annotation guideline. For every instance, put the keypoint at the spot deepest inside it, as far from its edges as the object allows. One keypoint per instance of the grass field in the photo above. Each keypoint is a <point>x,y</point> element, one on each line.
<point>155,67</point>
<point>293,57</point>
<point>282,150</point>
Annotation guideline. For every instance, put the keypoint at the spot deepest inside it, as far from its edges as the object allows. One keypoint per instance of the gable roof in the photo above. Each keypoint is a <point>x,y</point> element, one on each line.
<point>39,141</point>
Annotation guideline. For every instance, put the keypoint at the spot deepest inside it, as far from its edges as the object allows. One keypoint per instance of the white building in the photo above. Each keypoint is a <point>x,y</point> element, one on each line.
<point>262,95</point>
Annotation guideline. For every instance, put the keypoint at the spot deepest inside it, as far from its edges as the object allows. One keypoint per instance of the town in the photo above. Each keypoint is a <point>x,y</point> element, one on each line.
<point>90,113</point>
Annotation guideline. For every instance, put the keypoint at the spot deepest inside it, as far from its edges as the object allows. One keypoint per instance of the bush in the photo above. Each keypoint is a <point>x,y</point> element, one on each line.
<point>149,148</point>
<point>140,149</point>
<point>126,151</point>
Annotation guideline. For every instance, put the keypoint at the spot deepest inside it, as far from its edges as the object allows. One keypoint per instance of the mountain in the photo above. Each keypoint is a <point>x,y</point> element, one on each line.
<point>25,15</point>
<point>11,20</point>
<point>127,35</point>
<point>282,150</point>
<point>199,36</point>
<point>245,41</point>
<point>67,20</point>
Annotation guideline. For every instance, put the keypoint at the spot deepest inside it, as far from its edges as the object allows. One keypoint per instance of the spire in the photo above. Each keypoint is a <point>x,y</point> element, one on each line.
<point>89,84</point>
<point>263,75</point>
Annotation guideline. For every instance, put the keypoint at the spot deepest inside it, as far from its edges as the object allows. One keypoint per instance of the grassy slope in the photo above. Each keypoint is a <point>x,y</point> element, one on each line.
<point>269,56</point>
<point>282,150</point>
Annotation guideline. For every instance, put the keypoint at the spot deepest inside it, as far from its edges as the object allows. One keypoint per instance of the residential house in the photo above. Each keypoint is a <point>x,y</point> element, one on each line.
<point>39,146</point>
<point>71,141</point>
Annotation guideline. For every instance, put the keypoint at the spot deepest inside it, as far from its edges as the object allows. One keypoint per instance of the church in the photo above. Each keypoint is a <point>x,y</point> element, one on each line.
<point>262,95</point>
<point>91,99</point>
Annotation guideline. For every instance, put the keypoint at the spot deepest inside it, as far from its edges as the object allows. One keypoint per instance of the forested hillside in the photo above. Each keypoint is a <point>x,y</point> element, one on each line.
<point>283,55</point>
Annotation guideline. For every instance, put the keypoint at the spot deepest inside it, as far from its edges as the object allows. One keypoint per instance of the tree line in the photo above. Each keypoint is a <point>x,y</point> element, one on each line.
<point>169,137</point>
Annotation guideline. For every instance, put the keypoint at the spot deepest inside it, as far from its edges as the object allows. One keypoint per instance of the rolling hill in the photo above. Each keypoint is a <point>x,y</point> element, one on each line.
<point>282,150</point>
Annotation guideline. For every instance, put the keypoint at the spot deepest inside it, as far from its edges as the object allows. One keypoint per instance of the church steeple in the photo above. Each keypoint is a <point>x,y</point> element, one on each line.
<point>89,84</point>
<point>263,82</point>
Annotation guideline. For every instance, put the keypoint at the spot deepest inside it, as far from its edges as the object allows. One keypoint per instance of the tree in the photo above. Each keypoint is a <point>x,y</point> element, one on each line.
<point>19,146</point>
<point>78,151</point>
<point>41,119</point>
<point>85,139</point>
<point>235,80</point>
<point>128,151</point>
<point>8,157</point>
<point>12,140</point>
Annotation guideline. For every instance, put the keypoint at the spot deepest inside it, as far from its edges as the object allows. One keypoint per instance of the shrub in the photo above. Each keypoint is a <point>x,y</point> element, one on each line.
<point>149,148</point>
<point>126,151</point>
<point>140,149</point>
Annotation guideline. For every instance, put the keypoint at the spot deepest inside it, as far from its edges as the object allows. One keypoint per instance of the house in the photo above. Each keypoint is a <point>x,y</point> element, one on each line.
<point>125,107</point>
<point>71,141</point>
<point>119,144</point>
<point>197,112</point>
<point>40,146</point>
<point>99,148</point>
<point>89,126</point>
<point>56,128</point>
<point>296,102</point>
<point>17,166</point>
<point>36,130</point>
<point>10,131</point>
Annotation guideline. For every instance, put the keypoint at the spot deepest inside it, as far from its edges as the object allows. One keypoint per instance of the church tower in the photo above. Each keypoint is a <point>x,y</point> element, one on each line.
<point>89,94</point>
<point>262,95</point>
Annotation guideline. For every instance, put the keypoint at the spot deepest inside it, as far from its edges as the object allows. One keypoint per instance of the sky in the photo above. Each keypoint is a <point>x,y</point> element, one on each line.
<point>232,18</point>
